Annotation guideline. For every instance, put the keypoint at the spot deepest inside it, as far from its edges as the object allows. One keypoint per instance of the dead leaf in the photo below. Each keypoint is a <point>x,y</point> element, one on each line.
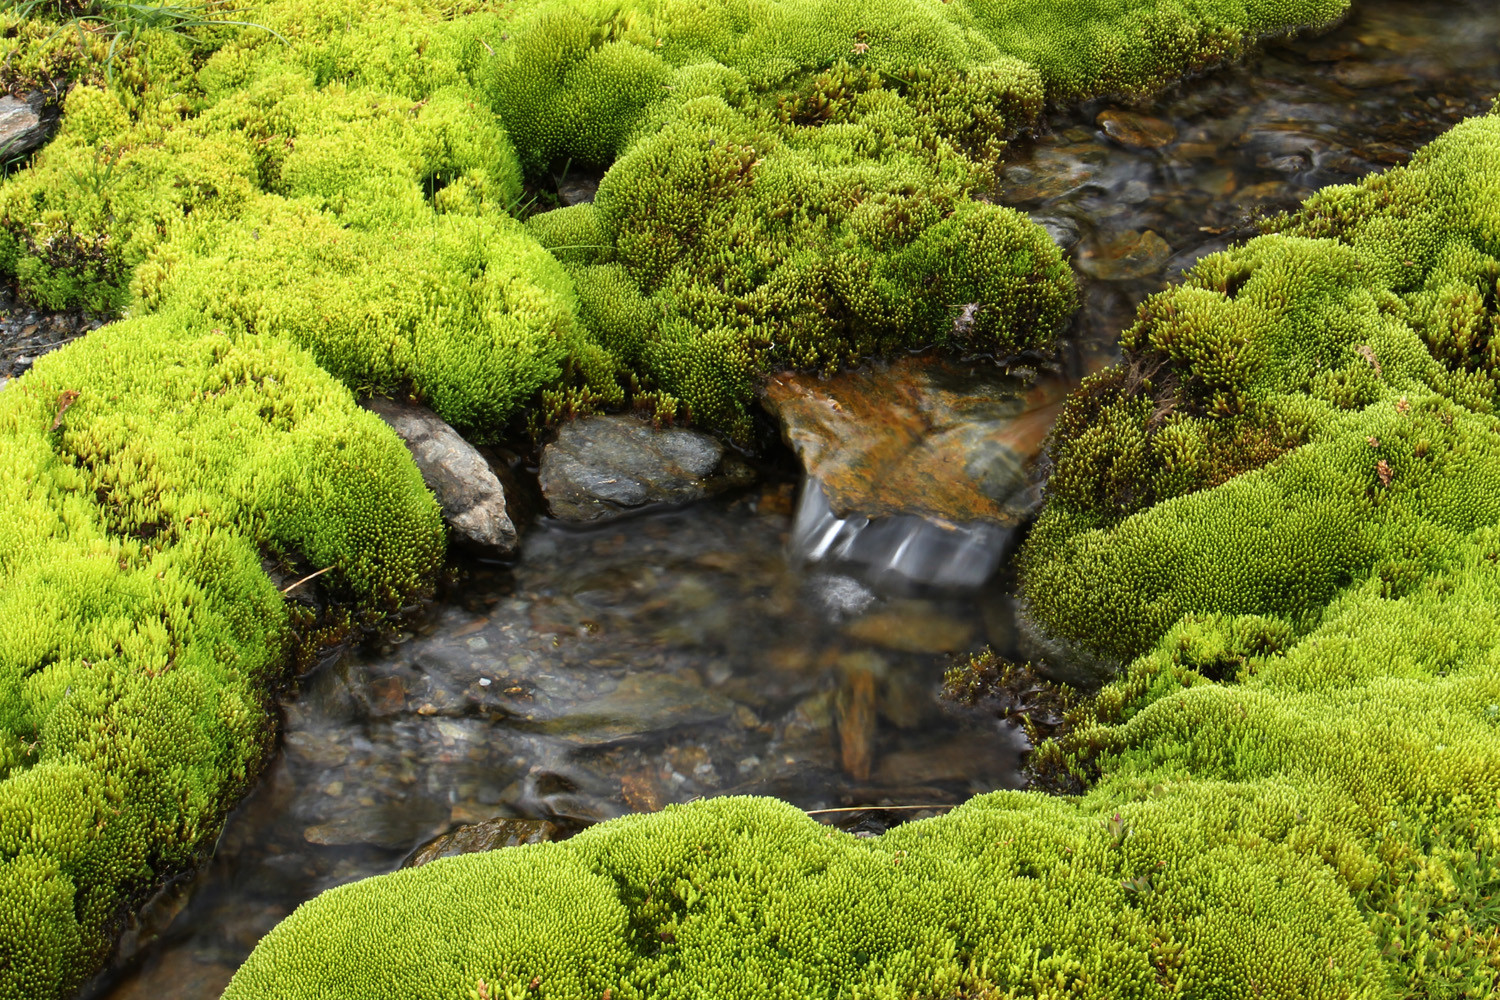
<point>65,399</point>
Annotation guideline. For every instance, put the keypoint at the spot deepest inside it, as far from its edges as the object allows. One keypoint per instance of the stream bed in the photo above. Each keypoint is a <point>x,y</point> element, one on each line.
<point>688,653</point>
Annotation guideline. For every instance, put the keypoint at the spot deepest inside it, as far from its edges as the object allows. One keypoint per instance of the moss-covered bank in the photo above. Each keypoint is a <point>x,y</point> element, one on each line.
<point>326,204</point>
<point>1284,507</point>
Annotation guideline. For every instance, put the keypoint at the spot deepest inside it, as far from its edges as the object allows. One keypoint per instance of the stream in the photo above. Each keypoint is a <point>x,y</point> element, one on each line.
<point>694,652</point>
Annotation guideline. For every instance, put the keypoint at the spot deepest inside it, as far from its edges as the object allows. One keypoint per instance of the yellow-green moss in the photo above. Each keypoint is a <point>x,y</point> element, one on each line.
<point>139,635</point>
<point>1303,413</point>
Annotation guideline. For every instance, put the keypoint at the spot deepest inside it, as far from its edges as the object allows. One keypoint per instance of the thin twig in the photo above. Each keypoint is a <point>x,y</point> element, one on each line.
<point>288,590</point>
<point>859,809</point>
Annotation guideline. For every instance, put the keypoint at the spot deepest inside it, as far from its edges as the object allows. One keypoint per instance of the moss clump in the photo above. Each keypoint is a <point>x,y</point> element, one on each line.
<point>147,467</point>
<point>1304,413</point>
<point>790,187</point>
<point>1010,895</point>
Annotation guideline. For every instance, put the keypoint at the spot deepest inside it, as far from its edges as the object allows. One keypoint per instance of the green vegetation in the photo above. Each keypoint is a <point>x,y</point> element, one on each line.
<point>1304,413</point>
<point>146,469</point>
<point>1283,506</point>
<point>787,188</point>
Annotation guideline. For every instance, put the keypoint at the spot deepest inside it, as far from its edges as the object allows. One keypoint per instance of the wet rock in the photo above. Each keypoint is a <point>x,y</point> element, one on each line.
<point>578,186</point>
<point>601,467</point>
<point>920,468</point>
<point>1130,255</point>
<point>1136,130</point>
<point>22,128</point>
<point>918,436</point>
<point>394,824</point>
<point>640,705</point>
<point>912,627</point>
<point>490,835</point>
<point>856,712</point>
<point>472,499</point>
<point>1063,230</point>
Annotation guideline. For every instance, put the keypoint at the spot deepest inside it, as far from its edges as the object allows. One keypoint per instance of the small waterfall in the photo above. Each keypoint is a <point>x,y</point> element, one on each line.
<point>904,548</point>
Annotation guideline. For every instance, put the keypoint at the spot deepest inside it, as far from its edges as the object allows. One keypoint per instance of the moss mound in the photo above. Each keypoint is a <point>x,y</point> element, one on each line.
<point>146,468</point>
<point>1303,414</point>
<point>790,186</point>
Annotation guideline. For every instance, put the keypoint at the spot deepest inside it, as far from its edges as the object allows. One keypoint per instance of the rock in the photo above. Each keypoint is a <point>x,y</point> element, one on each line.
<point>1129,255</point>
<point>856,712</point>
<point>467,489</point>
<point>578,186</point>
<point>601,467</point>
<point>396,824</point>
<point>919,468</point>
<point>1136,130</point>
<point>4,381</point>
<point>919,435</point>
<point>22,128</point>
<point>911,626</point>
<point>490,835</point>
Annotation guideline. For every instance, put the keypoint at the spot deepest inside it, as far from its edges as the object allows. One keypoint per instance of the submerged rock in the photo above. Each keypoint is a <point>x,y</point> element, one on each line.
<point>467,489</point>
<point>1135,130</point>
<point>921,468</point>
<point>601,467</point>
<point>490,835</point>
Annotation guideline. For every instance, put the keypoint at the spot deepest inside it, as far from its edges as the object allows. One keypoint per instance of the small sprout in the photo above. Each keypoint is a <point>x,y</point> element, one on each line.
<point>536,981</point>
<point>860,48</point>
<point>1383,470</point>
<point>1368,353</point>
<point>1402,406</point>
<point>1374,442</point>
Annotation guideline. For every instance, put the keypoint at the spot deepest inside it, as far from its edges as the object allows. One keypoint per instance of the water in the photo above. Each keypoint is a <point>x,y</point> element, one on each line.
<point>686,654</point>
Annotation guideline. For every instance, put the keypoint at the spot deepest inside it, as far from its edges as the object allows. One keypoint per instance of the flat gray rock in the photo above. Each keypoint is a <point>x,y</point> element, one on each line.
<point>602,467</point>
<point>472,499</point>
<point>22,129</point>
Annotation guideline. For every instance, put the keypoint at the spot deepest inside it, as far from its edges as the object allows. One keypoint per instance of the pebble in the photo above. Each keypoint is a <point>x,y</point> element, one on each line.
<point>1137,131</point>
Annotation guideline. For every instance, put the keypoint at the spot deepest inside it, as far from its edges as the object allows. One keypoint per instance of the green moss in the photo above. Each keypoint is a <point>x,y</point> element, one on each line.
<point>1304,413</point>
<point>139,636</point>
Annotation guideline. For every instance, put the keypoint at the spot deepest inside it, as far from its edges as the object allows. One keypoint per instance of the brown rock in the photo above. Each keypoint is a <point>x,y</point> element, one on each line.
<point>856,708</point>
<point>1129,255</point>
<point>1136,130</point>
<point>490,835</point>
<point>911,627</point>
<point>918,436</point>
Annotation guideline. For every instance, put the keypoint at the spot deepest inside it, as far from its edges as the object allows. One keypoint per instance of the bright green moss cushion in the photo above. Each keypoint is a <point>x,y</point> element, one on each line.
<point>1303,413</point>
<point>791,185</point>
<point>139,636</point>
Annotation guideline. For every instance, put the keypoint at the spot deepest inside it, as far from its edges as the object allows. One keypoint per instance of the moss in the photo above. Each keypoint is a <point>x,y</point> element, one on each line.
<point>147,468</point>
<point>789,187</point>
<point>1303,413</point>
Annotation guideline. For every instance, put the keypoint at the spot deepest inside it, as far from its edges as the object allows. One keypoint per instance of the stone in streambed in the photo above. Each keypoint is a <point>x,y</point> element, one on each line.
<point>919,435</point>
<point>489,835</point>
<point>920,469</point>
<point>467,489</point>
<point>1136,130</point>
<point>602,467</point>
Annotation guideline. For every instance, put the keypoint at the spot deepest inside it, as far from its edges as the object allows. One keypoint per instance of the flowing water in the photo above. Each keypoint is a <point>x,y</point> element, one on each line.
<point>692,653</point>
